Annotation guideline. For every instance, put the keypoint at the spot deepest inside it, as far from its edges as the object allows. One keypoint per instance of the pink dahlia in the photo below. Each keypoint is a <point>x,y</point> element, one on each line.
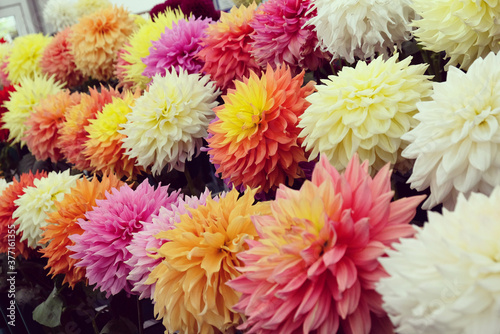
<point>120,69</point>
<point>109,229</point>
<point>315,265</point>
<point>58,60</point>
<point>4,81</point>
<point>281,35</point>
<point>177,47</point>
<point>4,97</point>
<point>144,244</point>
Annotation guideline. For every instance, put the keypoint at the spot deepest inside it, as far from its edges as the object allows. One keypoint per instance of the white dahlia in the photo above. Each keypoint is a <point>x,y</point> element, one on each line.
<point>457,143</point>
<point>60,14</point>
<point>361,28</point>
<point>38,201</point>
<point>447,279</point>
<point>167,123</point>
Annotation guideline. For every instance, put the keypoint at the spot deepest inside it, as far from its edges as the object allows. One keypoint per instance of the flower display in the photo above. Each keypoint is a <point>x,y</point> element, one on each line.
<point>63,222</point>
<point>196,8</point>
<point>282,37</point>
<point>167,123</point>
<point>44,124</point>
<point>73,135</point>
<point>141,41</point>
<point>7,207</point>
<point>318,250</point>
<point>465,30</point>
<point>226,48</point>
<point>177,47</point>
<point>88,7</point>
<point>361,29</point>
<point>4,97</point>
<point>96,39</point>
<point>444,279</point>
<point>456,144</point>
<point>38,201</point>
<point>199,259</point>
<point>365,109</point>
<point>104,145</point>
<point>254,138</point>
<point>109,228</point>
<point>24,57</point>
<point>27,95</point>
<point>60,14</point>
<point>57,60</point>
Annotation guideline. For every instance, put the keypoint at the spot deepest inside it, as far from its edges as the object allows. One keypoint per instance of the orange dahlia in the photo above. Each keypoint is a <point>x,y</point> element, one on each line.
<point>44,124</point>
<point>73,134</point>
<point>253,142</point>
<point>7,208</point>
<point>63,223</point>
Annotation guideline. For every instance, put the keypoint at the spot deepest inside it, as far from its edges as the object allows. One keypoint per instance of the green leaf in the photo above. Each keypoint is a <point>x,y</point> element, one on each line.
<point>49,312</point>
<point>120,325</point>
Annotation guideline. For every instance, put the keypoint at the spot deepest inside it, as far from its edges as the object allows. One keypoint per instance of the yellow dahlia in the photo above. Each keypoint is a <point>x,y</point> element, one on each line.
<point>464,29</point>
<point>140,42</point>
<point>27,96</point>
<point>97,38</point>
<point>365,109</point>
<point>191,294</point>
<point>25,55</point>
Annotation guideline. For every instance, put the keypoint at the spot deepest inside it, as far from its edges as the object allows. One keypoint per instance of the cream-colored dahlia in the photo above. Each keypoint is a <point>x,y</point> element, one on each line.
<point>457,143</point>
<point>167,123</point>
<point>60,14</point>
<point>365,109</point>
<point>361,28</point>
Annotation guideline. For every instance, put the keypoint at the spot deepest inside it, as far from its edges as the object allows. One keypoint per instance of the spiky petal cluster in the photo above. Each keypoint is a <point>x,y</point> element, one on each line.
<point>282,37</point>
<point>191,294</point>
<point>120,72</point>
<point>29,92</point>
<point>62,223</point>
<point>96,39</point>
<point>44,124</point>
<point>5,49</point>
<point>57,60</point>
<point>24,57</point>
<point>167,123</point>
<point>4,97</point>
<point>38,201</point>
<point>7,207</point>
<point>192,8</point>
<point>178,48</point>
<point>361,29</point>
<point>465,30</point>
<point>109,228</point>
<point>254,138</point>
<point>227,49</point>
<point>60,14</point>
<point>445,280</point>
<point>318,251</point>
<point>73,134</point>
<point>87,7</point>
<point>141,41</point>
<point>365,109</point>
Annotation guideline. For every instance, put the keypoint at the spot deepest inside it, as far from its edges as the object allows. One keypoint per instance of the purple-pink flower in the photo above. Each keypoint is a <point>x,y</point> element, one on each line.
<point>177,47</point>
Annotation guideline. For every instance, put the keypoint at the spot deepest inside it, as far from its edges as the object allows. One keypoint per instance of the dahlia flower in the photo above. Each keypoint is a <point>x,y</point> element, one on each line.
<point>73,135</point>
<point>318,251</point>
<point>196,8</point>
<point>57,60</point>
<point>365,109</point>
<point>3,185</point>
<point>29,92</point>
<point>88,7</point>
<point>104,145</point>
<point>226,48</point>
<point>140,43</point>
<point>167,123</point>
<point>5,49</point>
<point>25,55</point>
<point>253,141</point>
<point>199,259</point>
<point>62,223</point>
<point>44,124</point>
<point>96,39</point>
<point>120,71</point>
<point>5,93</point>
<point>445,280</point>
<point>38,201</point>
<point>361,29</point>
<point>7,207</point>
<point>60,14</point>
<point>457,143</point>
<point>282,37</point>
<point>465,30</point>
<point>177,47</point>
<point>109,228</point>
